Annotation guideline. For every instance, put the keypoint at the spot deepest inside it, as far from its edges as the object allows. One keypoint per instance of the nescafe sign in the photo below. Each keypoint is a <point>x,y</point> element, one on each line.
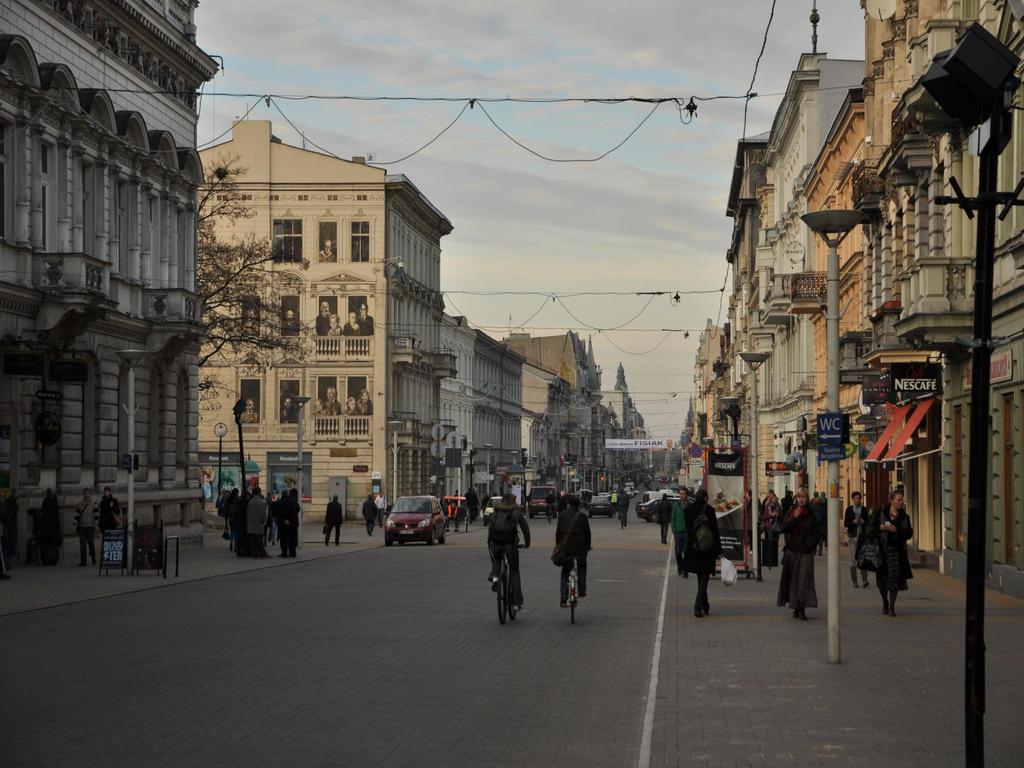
<point>910,381</point>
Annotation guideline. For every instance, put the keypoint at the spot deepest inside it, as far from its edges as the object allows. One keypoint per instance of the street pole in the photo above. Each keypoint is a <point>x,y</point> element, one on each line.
<point>131,465</point>
<point>833,226</point>
<point>238,410</point>
<point>754,361</point>
<point>300,402</point>
<point>220,430</point>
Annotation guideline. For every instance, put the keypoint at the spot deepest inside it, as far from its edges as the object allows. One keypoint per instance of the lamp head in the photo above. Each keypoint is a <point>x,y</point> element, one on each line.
<point>221,429</point>
<point>238,410</point>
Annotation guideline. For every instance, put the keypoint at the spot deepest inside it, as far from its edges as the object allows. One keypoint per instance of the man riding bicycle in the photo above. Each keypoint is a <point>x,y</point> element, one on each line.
<point>572,535</point>
<point>502,539</point>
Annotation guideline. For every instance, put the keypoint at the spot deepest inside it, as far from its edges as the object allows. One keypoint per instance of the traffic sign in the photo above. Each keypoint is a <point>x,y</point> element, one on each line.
<point>436,450</point>
<point>437,432</point>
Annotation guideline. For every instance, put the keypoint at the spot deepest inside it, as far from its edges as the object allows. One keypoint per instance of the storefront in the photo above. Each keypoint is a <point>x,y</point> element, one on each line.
<point>283,473</point>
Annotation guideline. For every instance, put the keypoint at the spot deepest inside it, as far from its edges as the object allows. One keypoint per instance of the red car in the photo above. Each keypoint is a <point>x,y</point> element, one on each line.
<point>537,503</point>
<point>415,518</point>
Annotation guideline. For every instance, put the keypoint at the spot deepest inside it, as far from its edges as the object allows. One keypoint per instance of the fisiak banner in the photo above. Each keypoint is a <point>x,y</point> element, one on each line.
<point>726,482</point>
<point>621,444</point>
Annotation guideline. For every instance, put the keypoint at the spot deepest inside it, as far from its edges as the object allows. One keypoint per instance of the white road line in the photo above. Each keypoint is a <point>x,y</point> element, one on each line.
<point>644,759</point>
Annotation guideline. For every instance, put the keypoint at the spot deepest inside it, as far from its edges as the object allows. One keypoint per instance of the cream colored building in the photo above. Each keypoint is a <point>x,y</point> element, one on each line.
<point>356,273</point>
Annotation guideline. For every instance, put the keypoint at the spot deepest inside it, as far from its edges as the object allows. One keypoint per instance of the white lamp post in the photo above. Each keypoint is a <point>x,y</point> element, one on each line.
<point>833,227</point>
<point>130,358</point>
<point>393,491</point>
<point>754,361</point>
<point>300,401</point>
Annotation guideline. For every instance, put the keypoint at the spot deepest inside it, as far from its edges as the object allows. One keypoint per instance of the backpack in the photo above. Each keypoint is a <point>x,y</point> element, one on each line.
<point>704,538</point>
<point>503,526</point>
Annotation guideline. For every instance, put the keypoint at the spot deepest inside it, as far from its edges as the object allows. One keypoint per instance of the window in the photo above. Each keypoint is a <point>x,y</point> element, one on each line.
<point>360,241</point>
<point>44,193</point>
<point>120,257</point>
<point>360,197</point>
<point>1007,472</point>
<point>88,210</point>
<point>332,198</point>
<point>3,181</point>
<point>250,313</point>
<point>287,240</point>
<point>303,198</point>
<point>155,277</point>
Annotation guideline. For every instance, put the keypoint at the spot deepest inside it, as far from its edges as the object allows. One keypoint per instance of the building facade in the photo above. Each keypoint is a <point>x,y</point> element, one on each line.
<point>457,400</point>
<point>497,414</point>
<point>354,276</point>
<point>98,173</point>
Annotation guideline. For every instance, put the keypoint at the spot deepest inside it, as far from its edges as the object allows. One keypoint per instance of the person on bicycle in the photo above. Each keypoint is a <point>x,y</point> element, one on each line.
<point>550,502</point>
<point>502,540</point>
<point>572,534</point>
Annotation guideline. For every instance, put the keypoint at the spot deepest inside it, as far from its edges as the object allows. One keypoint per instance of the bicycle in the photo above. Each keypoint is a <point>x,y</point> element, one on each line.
<point>574,592</point>
<point>505,606</point>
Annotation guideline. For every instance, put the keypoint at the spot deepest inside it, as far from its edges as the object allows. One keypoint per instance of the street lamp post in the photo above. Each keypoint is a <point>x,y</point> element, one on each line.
<point>393,493</point>
<point>300,401</point>
<point>221,429</point>
<point>238,410</point>
<point>833,227</point>
<point>754,361</point>
<point>130,358</point>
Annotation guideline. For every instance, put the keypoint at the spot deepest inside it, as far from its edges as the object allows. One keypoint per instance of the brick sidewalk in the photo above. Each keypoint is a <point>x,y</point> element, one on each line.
<point>751,686</point>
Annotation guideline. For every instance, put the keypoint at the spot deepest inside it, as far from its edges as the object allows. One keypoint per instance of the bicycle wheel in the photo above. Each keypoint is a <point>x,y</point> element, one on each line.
<point>502,595</point>
<point>511,611</point>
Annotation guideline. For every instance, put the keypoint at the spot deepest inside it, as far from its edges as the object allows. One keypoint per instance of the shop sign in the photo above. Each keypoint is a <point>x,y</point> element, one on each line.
<point>47,428</point>
<point>23,364</point>
<point>875,390</point>
<point>1000,367</point>
<point>361,468</point>
<point>50,395</point>
<point>68,370</point>
<point>776,468</point>
<point>911,381</point>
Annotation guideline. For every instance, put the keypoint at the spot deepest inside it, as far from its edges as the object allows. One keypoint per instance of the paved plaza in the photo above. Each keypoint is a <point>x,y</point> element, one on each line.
<point>366,656</point>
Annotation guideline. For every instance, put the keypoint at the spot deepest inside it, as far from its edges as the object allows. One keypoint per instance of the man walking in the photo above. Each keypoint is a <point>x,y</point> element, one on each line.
<point>332,522</point>
<point>854,521</point>
<point>5,522</point>
<point>664,513</point>
<point>679,530</point>
<point>820,511</point>
<point>472,505</point>
<point>369,513</point>
<point>382,505</point>
<point>255,522</point>
<point>87,515</point>
<point>110,511</point>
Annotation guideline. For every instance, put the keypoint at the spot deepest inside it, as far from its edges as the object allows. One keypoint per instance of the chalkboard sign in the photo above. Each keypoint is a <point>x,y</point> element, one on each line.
<point>114,549</point>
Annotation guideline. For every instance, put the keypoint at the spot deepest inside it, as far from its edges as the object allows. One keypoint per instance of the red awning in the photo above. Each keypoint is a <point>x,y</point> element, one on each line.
<point>899,416</point>
<point>909,428</point>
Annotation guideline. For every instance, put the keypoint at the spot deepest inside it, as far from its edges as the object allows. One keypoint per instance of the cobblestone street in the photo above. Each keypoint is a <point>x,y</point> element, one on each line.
<point>395,658</point>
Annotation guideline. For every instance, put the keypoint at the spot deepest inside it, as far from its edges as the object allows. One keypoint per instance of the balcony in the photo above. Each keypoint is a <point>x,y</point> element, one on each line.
<point>941,318</point>
<point>886,345</point>
<point>444,364</point>
<point>775,310</point>
<point>344,428</point>
<point>70,275</point>
<point>345,348</point>
<point>867,187</point>
<point>171,305</point>
<point>404,349</point>
<point>807,293</point>
<point>853,348</point>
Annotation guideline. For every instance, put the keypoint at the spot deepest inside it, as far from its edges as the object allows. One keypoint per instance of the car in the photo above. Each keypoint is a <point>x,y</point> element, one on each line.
<point>602,505</point>
<point>628,489</point>
<point>537,501</point>
<point>647,507</point>
<point>415,518</point>
<point>586,496</point>
<point>489,509</point>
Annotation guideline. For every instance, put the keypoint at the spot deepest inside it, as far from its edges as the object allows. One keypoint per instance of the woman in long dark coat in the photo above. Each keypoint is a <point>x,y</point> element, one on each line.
<point>890,526</point>
<point>796,587</point>
<point>701,563</point>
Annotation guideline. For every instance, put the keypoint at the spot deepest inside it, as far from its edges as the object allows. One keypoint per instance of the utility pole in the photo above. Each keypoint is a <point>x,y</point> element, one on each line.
<point>754,361</point>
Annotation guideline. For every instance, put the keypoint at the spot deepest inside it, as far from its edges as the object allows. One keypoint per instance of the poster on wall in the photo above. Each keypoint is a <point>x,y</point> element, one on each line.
<point>327,321</point>
<point>357,401</point>
<point>249,391</point>
<point>208,478</point>
<point>726,486</point>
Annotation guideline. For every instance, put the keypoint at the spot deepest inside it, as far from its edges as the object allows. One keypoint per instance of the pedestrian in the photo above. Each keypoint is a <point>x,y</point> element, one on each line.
<point>503,544</point>
<point>854,520</point>
<point>572,535</point>
<point>288,523</point>
<point>679,530</point>
<point>279,511</point>
<point>87,515</point>
<point>10,507</point>
<point>49,533</point>
<point>472,503</point>
<point>255,523</point>
<point>664,514</point>
<point>231,520</point>
<point>110,511</point>
<point>703,546</point>
<point>787,502</point>
<point>382,505</point>
<point>240,522</point>
<point>890,526</point>
<point>332,522</point>
<point>624,510</point>
<point>820,509</point>
<point>369,513</point>
<point>771,522</point>
<point>796,587</point>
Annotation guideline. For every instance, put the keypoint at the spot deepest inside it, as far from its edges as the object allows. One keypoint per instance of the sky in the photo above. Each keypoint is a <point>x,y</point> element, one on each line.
<point>648,217</point>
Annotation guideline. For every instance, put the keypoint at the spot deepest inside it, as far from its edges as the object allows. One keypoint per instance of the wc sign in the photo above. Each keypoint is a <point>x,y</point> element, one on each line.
<point>830,436</point>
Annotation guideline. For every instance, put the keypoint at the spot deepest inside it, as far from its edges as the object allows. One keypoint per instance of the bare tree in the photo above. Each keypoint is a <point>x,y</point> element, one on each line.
<point>235,279</point>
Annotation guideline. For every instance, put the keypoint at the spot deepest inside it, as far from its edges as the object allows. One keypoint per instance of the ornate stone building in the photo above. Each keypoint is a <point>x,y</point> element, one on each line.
<point>97,179</point>
<point>356,277</point>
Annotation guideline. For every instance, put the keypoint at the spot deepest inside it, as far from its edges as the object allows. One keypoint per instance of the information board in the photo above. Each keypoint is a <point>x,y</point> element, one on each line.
<point>113,549</point>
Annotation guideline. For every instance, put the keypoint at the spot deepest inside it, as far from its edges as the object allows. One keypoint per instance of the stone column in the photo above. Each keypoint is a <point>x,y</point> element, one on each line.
<point>108,418</point>
<point>135,213</point>
<point>168,436</point>
<point>932,296</point>
<point>78,193</point>
<point>145,193</point>
<point>101,206</point>
<point>35,186</point>
<point>21,154</point>
<point>65,196</point>
<point>885,277</point>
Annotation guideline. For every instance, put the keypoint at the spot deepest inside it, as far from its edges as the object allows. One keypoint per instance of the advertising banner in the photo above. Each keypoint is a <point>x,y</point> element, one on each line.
<point>620,444</point>
<point>726,484</point>
<point>149,548</point>
<point>910,381</point>
<point>776,468</point>
<point>114,549</point>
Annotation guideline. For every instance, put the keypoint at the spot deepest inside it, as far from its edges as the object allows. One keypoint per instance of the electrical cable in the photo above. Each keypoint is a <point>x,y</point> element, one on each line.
<point>614,328</point>
<point>438,136</point>
<point>628,352</point>
<point>220,136</point>
<point>602,156</point>
<point>549,294</point>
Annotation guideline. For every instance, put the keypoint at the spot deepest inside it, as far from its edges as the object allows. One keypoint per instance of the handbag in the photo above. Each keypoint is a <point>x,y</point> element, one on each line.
<point>558,557</point>
<point>869,558</point>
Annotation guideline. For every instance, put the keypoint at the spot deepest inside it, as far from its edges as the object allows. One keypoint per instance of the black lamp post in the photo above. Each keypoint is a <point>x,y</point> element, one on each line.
<point>220,430</point>
<point>238,410</point>
<point>973,83</point>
